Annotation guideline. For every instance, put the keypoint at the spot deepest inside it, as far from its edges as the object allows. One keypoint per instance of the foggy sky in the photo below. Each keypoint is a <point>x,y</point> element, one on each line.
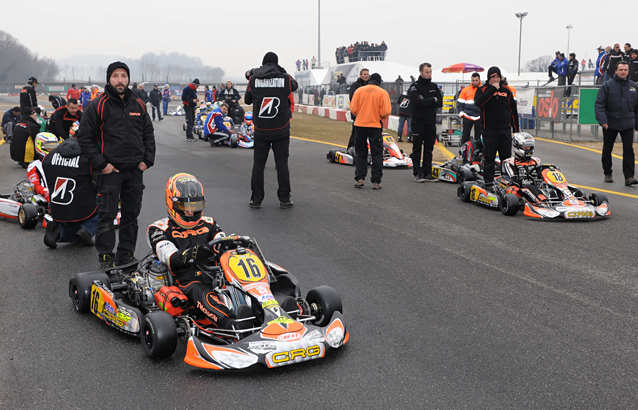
<point>236,35</point>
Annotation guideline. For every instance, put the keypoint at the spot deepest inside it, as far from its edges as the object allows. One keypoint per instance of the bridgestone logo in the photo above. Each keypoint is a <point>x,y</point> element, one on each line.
<point>270,83</point>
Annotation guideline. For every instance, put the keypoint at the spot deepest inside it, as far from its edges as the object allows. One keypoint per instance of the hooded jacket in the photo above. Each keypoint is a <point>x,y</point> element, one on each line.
<point>61,122</point>
<point>270,91</point>
<point>226,95</point>
<point>68,176</point>
<point>598,71</point>
<point>498,108</point>
<point>370,105</point>
<point>467,107</point>
<point>189,93</point>
<point>23,141</point>
<point>118,131</point>
<point>155,96</point>
<point>425,98</point>
<point>611,60</point>
<point>28,99</point>
<point>616,104</point>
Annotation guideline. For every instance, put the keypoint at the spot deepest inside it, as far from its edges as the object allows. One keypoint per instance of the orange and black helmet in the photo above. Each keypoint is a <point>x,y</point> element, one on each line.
<point>185,200</point>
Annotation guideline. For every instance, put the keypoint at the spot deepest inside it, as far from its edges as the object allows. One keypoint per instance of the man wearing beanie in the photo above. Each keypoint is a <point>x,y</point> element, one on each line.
<point>270,91</point>
<point>370,104</point>
<point>500,118</point>
<point>118,138</point>
<point>425,98</point>
<point>189,99</point>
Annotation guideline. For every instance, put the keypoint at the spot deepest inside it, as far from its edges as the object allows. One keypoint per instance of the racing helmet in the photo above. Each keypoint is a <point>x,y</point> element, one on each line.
<point>184,200</point>
<point>523,145</point>
<point>74,129</point>
<point>45,142</point>
<point>248,117</point>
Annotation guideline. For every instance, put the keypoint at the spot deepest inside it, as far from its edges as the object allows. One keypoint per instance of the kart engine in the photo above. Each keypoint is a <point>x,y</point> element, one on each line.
<point>145,282</point>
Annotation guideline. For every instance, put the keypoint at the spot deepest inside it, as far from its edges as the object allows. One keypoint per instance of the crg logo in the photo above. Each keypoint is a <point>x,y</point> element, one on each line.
<point>269,107</point>
<point>63,191</point>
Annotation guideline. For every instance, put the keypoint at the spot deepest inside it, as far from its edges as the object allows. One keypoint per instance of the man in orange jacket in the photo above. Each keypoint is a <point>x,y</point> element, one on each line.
<point>469,112</point>
<point>370,104</point>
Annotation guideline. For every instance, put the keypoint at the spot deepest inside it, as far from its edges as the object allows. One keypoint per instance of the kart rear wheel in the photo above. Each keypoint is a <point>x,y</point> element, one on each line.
<point>463,191</point>
<point>158,335</point>
<point>323,301</point>
<point>80,289</point>
<point>509,205</point>
<point>234,141</point>
<point>184,127</point>
<point>597,198</point>
<point>28,216</point>
<point>465,174</point>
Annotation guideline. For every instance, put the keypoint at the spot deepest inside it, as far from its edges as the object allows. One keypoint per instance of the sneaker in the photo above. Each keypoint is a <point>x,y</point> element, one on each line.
<point>419,177</point>
<point>86,236</point>
<point>106,261</point>
<point>358,183</point>
<point>376,185</point>
<point>551,79</point>
<point>409,138</point>
<point>429,178</point>
<point>128,257</point>
<point>609,178</point>
<point>631,181</point>
<point>52,234</point>
<point>161,119</point>
<point>286,204</point>
<point>254,204</point>
<point>400,139</point>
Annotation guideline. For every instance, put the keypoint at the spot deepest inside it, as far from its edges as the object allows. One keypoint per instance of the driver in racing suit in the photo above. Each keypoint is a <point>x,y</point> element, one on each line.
<point>44,142</point>
<point>521,169</point>
<point>181,240</point>
<point>214,128</point>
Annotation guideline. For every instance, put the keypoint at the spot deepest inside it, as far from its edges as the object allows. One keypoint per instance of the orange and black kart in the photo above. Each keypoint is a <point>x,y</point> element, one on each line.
<point>140,300</point>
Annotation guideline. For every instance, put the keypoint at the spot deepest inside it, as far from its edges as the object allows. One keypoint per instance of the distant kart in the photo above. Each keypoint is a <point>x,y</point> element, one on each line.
<point>456,171</point>
<point>178,111</point>
<point>280,328</point>
<point>235,140</point>
<point>393,156</point>
<point>24,205</point>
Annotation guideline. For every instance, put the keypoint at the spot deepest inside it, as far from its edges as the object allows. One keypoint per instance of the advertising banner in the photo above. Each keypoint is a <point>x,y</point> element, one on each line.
<point>329,101</point>
<point>343,101</point>
<point>55,88</point>
<point>549,102</point>
<point>525,101</point>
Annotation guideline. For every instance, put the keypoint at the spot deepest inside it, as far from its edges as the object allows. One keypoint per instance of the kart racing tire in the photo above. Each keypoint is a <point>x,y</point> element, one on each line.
<point>465,174</point>
<point>510,205</point>
<point>28,216</point>
<point>323,301</point>
<point>579,193</point>
<point>331,155</point>
<point>463,191</point>
<point>234,141</point>
<point>597,198</point>
<point>80,289</point>
<point>184,127</point>
<point>158,335</point>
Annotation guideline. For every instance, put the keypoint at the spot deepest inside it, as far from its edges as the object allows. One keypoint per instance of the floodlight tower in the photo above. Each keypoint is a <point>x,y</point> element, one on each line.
<point>520,36</point>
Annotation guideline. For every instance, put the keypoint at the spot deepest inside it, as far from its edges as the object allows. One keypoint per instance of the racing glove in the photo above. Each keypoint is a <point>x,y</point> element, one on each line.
<point>190,255</point>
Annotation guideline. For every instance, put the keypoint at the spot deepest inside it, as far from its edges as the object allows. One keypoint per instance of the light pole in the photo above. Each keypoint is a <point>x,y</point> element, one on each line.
<point>319,33</point>
<point>569,31</point>
<point>520,36</point>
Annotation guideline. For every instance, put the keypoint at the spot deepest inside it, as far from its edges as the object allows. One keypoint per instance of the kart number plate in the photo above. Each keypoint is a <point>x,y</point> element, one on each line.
<point>247,268</point>
<point>436,172</point>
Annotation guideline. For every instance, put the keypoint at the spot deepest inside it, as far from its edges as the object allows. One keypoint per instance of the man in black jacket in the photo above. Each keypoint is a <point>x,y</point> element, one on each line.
<point>28,98</point>
<point>616,110</point>
<point>57,101</point>
<point>499,116</point>
<point>230,96</point>
<point>23,142</point>
<point>633,66</point>
<point>63,118</point>
<point>425,98</point>
<point>405,115</point>
<point>9,121</point>
<point>189,99</point>
<point>270,90</point>
<point>614,56</point>
<point>364,76</point>
<point>156,97</point>
<point>117,136</point>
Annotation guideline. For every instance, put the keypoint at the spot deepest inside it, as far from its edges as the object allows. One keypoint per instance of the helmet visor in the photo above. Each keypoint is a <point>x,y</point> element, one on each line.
<point>49,145</point>
<point>189,204</point>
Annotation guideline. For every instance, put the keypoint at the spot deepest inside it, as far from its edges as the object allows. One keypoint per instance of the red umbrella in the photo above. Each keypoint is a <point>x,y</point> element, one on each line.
<point>463,68</point>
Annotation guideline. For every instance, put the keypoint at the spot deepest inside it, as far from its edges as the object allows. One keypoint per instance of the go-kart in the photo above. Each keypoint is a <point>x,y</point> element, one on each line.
<point>458,171</point>
<point>24,205</point>
<point>559,199</point>
<point>234,140</point>
<point>284,327</point>
<point>178,111</point>
<point>393,156</point>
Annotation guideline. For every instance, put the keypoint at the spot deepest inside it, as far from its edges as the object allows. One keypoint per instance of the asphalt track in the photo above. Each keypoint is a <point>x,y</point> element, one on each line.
<point>449,305</point>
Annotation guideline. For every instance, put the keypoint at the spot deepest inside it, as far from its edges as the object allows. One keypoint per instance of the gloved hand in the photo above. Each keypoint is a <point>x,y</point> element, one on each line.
<point>190,255</point>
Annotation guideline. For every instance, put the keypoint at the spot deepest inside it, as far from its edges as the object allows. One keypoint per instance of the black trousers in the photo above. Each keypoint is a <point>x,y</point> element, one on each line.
<point>190,120</point>
<point>159,111</point>
<point>423,138</point>
<point>280,145</point>
<point>363,136</point>
<point>467,128</point>
<point>495,140</point>
<point>125,188</point>
<point>352,136</point>
<point>628,158</point>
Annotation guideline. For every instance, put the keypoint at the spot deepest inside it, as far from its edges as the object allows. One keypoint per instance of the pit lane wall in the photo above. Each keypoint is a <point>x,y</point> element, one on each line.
<point>392,122</point>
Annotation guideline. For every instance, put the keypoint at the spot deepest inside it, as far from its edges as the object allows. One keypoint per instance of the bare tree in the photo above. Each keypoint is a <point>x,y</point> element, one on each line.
<point>538,65</point>
<point>17,62</point>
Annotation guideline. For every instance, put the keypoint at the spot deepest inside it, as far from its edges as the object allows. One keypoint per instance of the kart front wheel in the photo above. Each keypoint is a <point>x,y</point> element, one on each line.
<point>158,335</point>
<point>28,216</point>
<point>80,289</point>
<point>323,301</point>
<point>509,205</point>
<point>234,141</point>
<point>332,155</point>
<point>463,191</point>
<point>184,127</point>
<point>598,199</point>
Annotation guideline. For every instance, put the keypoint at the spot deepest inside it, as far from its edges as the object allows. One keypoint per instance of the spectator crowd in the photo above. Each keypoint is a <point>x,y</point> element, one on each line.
<point>361,52</point>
